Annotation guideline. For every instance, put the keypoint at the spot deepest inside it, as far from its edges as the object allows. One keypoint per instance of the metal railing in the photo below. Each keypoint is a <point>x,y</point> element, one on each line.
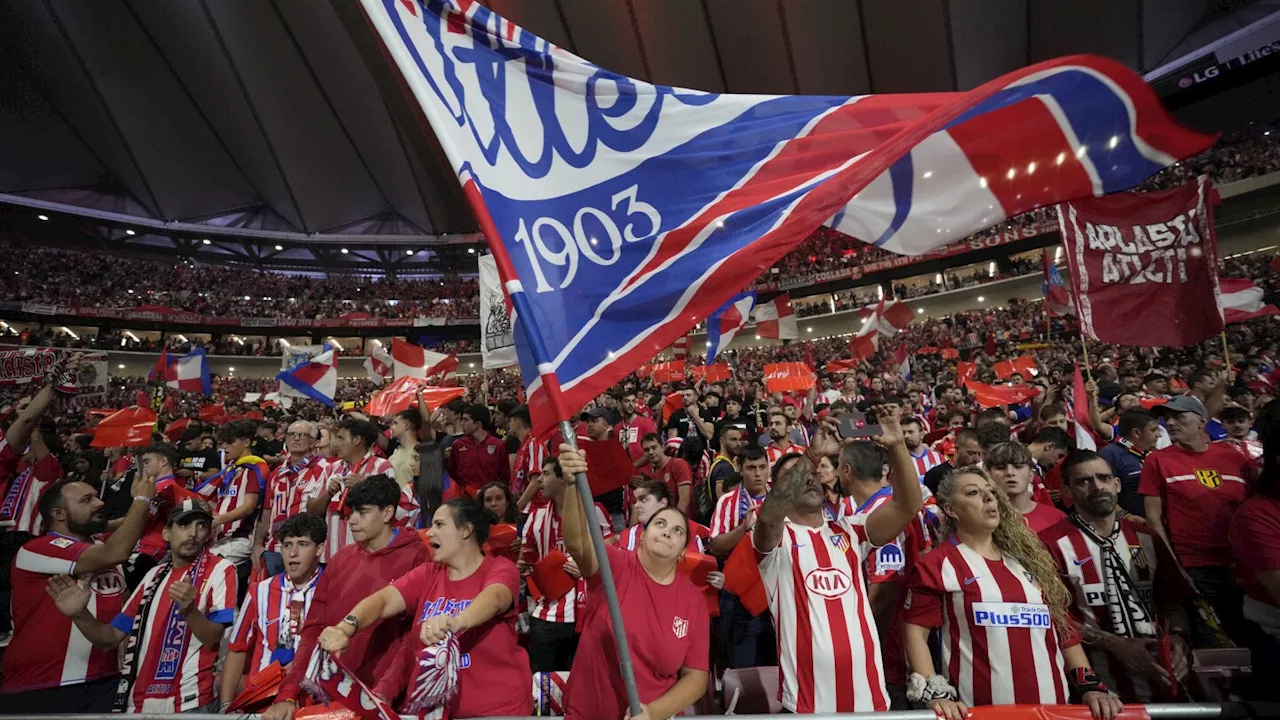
<point>1180,711</point>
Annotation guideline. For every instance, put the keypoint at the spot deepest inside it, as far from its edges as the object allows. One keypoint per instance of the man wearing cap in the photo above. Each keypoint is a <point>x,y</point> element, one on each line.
<point>1191,489</point>
<point>173,623</point>
<point>477,458</point>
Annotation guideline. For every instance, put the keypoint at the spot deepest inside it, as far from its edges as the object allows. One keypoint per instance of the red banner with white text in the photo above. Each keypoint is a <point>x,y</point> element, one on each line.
<point>1143,266</point>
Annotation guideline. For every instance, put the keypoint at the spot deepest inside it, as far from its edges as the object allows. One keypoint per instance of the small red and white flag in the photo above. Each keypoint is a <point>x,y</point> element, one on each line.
<point>411,360</point>
<point>776,320</point>
<point>887,318</point>
<point>680,348</point>
<point>1241,300</point>
<point>446,370</point>
<point>378,365</point>
<point>1080,415</point>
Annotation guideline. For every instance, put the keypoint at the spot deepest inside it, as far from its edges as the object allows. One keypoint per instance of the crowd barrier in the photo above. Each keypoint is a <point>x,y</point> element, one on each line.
<point>1181,711</point>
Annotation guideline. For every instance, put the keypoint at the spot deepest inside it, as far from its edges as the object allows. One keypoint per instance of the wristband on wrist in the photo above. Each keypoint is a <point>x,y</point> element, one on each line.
<point>1083,680</point>
<point>922,691</point>
<point>143,498</point>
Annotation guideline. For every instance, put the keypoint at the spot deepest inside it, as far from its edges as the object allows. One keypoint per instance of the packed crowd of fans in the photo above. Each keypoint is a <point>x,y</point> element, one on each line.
<point>294,525</point>
<point>63,277</point>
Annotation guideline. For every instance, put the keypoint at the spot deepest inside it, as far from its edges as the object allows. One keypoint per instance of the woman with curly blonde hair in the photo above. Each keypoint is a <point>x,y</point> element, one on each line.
<point>994,592</point>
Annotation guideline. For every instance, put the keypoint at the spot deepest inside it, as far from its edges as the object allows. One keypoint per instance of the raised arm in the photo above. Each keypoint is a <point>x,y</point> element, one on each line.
<point>119,545</point>
<point>385,603</point>
<point>573,521</point>
<point>890,519</point>
<point>773,511</point>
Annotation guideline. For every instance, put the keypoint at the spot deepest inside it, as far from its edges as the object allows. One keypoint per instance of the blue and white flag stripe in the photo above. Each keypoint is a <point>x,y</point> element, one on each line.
<point>622,213</point>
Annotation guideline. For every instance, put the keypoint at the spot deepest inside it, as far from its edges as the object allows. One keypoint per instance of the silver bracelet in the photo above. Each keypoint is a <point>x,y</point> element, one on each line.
<point>143,498</point>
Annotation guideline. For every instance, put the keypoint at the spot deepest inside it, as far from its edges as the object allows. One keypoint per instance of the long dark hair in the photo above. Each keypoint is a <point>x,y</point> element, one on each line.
<point>467,512</point>
<point>511,516</point>
<point>429,485</point>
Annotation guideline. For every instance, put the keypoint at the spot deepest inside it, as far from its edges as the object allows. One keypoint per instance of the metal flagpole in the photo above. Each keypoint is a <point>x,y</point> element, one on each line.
<point>606,578</point>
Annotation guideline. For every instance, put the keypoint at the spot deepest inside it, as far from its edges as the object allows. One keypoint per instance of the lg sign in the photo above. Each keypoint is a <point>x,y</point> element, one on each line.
<point>828,582</point>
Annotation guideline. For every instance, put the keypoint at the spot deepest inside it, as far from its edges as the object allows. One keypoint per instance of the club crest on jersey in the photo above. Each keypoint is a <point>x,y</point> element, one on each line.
<point>680,627</point>
<point>828,582</point>
<point>1209,477</point>
<point>1139,557</point>
<point>840,541</point>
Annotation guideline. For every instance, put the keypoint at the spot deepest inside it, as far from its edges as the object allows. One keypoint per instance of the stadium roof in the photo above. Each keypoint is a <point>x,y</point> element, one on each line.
<point>257,125</point>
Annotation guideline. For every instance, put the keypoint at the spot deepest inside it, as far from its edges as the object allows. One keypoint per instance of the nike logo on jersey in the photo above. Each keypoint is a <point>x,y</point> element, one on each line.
<point>972,580</point>
<point>1083,561</point>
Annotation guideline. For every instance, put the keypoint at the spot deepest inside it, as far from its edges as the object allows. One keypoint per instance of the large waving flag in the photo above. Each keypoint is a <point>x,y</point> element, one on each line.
<point>724,324</point>
<point>1241,300</point>
<point>622,213</point>
<point>378,365</point>
<point>189,373</point>
<point>316,379</point>
<point>776,320</point>
<point>410,360</point>
<point>1081,428</point>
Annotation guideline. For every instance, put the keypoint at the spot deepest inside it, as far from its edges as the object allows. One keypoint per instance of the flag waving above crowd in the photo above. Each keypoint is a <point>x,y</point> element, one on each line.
<point>613,236</point>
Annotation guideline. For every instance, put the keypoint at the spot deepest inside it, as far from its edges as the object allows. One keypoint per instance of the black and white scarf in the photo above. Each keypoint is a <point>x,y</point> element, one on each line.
<point>1129,616</point>
<point>130,663</point>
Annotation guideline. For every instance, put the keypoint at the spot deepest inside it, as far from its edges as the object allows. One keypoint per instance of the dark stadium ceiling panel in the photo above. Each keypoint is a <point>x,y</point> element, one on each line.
<point>257,122</point>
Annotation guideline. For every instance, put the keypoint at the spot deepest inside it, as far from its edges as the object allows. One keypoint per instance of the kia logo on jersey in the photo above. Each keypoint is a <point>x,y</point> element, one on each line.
<point>828,582</point>
<point>107,583</point>
<point>680,627</point>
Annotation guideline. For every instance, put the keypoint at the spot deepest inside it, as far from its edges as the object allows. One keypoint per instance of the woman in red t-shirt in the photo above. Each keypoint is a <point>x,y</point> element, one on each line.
<point>463,592</point>
<point>665,616</point>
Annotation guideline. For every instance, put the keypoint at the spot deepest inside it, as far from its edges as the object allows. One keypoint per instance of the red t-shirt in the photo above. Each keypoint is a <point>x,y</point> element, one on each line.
<point>1043,517</point>
<point>1200,492</point>
<point>631,433</point>
<point>667,629</point>
<point>674,474</point>
<point>493,675</point>
<point>1255,540</point>
<point>152,542</point>
<point>47,649</point>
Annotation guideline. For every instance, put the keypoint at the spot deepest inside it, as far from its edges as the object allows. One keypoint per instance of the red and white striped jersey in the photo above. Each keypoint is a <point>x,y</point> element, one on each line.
<point>282,498</point>
<point>893,562</point>
<point>270,622</point>
<point>542,534</point>
<point>47,649</point>
<point>1154,581</point>
<point>773,453</point>
<point>20,508</point>
<point>828,646</point>
<point>699,537</point>
<point>339,535</point>
<point>926,460</point>
<point>228,489</point>
<point>731,508</point>
<point>528,464</point>
<point>175,670</point>
<point>999,644</point>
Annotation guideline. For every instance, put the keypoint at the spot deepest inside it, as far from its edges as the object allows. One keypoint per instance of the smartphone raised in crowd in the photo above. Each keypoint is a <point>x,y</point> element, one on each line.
<point>855,425</point>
